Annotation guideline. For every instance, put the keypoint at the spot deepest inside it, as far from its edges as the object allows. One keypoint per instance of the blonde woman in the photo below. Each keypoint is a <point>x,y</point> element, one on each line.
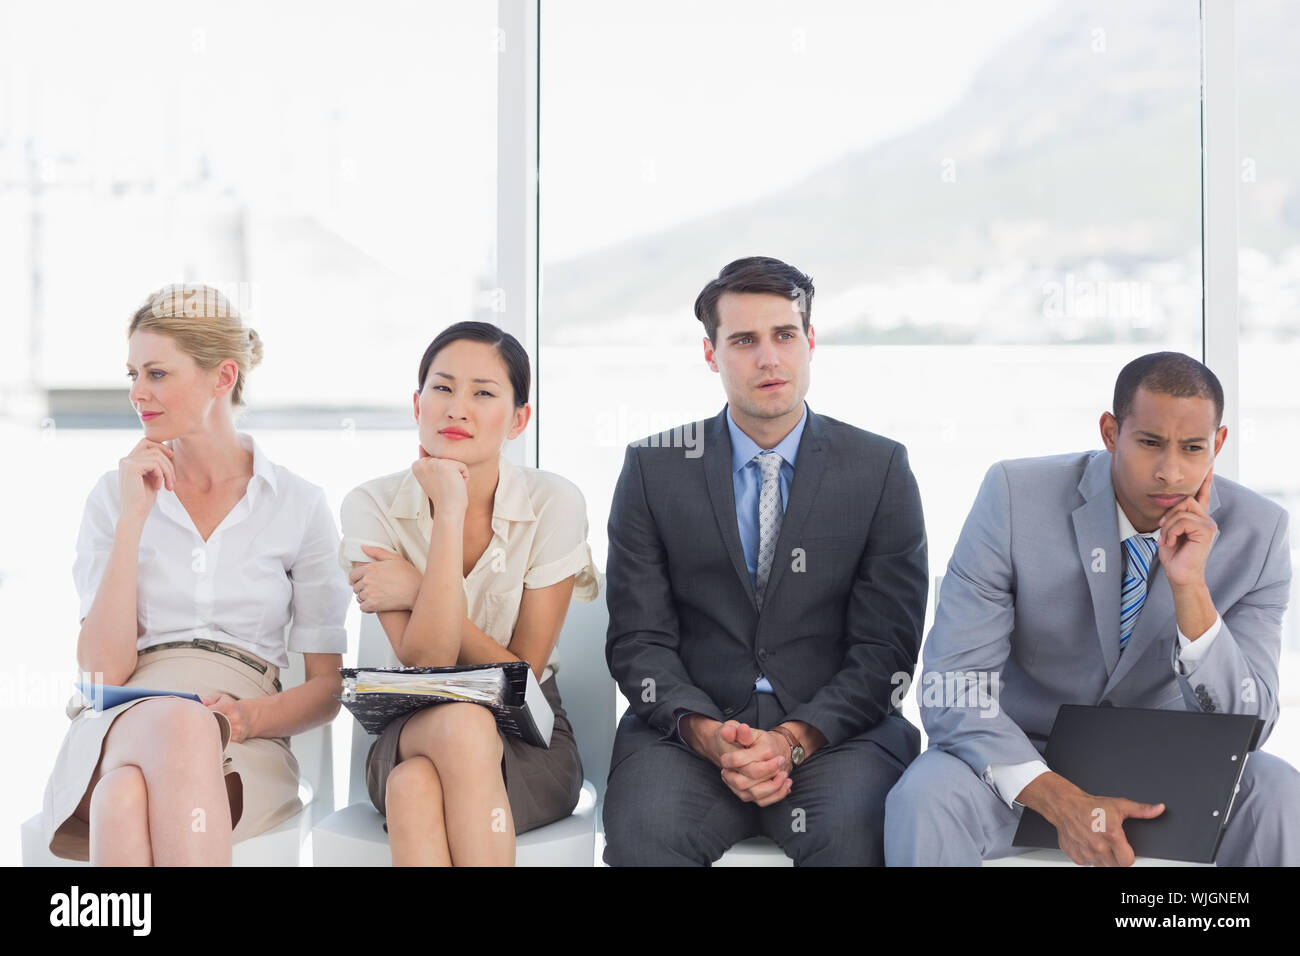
<point>194,556</point>
<point>469,559</point>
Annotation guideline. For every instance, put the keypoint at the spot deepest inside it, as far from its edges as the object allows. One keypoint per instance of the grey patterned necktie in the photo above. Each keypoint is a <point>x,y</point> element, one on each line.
<point>769,518</point>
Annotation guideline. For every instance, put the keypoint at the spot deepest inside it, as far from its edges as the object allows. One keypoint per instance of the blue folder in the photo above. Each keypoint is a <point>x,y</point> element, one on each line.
<point>104,696</point>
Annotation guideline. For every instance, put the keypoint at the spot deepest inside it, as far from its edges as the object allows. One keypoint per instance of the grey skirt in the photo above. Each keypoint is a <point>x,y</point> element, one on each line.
<point>268,772</point>
<point>543,784</point>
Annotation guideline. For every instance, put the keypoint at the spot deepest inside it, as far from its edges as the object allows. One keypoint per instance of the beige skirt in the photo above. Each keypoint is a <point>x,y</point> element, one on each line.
<point>268,772</point>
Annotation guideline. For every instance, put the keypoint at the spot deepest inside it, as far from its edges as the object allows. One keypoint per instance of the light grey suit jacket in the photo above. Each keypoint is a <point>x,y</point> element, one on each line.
<point>1032,593</point>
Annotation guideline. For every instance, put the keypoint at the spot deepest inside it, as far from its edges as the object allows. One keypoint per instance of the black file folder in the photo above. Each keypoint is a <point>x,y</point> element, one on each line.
<point>1187,760</point>
<point>524,711</point>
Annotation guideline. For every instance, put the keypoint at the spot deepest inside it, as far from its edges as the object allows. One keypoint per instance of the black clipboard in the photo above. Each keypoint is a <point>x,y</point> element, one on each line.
<point>1190,761</point>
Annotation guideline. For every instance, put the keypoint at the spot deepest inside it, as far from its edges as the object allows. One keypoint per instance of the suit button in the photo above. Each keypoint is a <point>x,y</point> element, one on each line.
<point>1105,703</point>
<point>762,655</point>
<point>728,711</point>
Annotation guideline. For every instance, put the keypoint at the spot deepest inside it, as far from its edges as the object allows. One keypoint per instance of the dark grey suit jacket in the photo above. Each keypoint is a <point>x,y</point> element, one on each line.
<point>845,603</point>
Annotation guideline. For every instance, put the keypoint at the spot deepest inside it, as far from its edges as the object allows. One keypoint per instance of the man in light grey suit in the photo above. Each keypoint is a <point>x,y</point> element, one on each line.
<point>1130,577</point>
<point>766,597</point>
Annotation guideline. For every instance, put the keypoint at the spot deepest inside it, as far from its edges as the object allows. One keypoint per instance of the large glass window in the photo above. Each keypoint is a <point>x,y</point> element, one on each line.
<point>999,207</point>
<point>330,166</point>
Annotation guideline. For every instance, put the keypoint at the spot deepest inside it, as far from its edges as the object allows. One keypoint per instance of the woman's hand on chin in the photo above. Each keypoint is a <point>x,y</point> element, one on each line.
<point>445,481</point>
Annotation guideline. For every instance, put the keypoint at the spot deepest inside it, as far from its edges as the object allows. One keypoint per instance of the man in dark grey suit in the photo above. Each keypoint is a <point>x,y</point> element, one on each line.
<point>766,600</point>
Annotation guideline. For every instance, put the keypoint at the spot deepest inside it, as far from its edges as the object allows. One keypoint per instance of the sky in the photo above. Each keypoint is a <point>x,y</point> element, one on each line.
<point>806,82</point>
<point>380,119</point>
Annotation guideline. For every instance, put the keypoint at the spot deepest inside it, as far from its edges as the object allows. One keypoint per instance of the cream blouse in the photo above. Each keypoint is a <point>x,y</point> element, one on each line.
<point>539,537</point>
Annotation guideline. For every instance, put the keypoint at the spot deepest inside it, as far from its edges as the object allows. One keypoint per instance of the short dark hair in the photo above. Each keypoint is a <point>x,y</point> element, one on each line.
<point>755,274</point>
<point>507,346</point>
<point>1166,373</point>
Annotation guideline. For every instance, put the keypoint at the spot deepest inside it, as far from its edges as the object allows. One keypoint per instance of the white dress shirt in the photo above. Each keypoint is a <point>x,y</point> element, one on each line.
<point>539,537</point>
<point>1008,779</point>
<point>272,560</point>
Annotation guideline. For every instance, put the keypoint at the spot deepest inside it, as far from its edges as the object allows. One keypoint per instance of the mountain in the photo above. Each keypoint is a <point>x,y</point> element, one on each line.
<point>1075,151</point>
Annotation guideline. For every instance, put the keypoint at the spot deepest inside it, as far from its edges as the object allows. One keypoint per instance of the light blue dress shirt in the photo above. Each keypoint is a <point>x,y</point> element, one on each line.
<point>747,482</point>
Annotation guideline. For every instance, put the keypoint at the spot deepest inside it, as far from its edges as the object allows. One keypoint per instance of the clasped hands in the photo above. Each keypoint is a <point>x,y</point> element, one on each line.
<point>755,764</point>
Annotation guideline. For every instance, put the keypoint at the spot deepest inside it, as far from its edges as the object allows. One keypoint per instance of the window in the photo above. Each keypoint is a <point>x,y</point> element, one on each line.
<point>998,211</point>
<point>331,166</point>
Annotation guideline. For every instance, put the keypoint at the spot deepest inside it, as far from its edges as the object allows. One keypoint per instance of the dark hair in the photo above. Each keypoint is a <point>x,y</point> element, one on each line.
<point>507,346</point>
<point>755,274</point>
<point>1166,373</point>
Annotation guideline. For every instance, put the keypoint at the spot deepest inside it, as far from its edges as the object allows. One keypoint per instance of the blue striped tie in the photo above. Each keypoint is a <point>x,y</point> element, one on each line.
<point>1138,552</point>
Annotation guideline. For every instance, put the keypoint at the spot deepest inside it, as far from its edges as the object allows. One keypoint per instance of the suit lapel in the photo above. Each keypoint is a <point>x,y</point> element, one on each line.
<point>722,494</point>
<point>1096,533</point>
<point>808,471</point>
<point>1157,618</point>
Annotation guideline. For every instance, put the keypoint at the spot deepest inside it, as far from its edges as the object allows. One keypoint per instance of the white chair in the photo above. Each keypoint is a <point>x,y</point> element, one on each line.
<point>756,851</point>
<point>1045,857</point>
<point>279,846</point>
<point>354,836</point>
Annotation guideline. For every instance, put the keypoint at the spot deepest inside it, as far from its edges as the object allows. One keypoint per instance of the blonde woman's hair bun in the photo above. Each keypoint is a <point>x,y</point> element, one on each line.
<point>254,348</point>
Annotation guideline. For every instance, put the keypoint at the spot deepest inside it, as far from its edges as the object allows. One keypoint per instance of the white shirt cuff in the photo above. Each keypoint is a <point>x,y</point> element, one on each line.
<point>1009,779</point>
<point>318,640</point>
<point>1191,652</point>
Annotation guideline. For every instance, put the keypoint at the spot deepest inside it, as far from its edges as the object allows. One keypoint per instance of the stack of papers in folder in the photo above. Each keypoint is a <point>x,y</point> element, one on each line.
<point>375,696</point>
<point>479,686</point>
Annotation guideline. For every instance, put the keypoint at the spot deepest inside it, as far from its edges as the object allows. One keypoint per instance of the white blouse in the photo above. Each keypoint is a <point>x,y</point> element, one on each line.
<point>539,537</point>
<point>272,560</point>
